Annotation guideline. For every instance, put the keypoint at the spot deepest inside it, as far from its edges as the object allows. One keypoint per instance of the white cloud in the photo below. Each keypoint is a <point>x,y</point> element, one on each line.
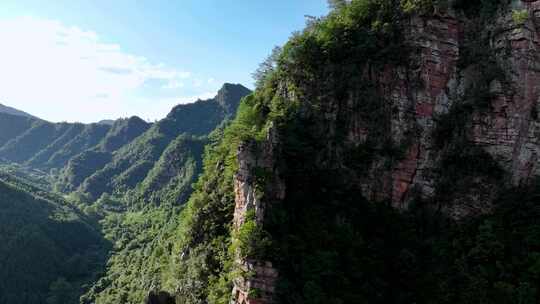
<point>67,73</point>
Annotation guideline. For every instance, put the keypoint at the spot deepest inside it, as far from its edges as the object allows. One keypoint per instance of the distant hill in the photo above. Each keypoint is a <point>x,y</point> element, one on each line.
<point>45,145</point>
<point>13,111</point>
<point>112,156</point>
<point>131,164</point>
<point>109,122</point>
<point>127,175</point>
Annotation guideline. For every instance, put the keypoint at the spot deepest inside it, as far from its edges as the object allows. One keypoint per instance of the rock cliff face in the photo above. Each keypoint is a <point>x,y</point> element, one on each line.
<point>254,193</point>
<point>420,99</point>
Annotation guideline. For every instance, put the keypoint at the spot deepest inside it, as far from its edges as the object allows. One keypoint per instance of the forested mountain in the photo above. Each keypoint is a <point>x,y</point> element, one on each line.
<point>49,248</point>
<point>44,145</point>
<point>143,232</point>
<point>389,154</point>
<point>86,163</point>
<point>131,164</point>
<point>147,171</point>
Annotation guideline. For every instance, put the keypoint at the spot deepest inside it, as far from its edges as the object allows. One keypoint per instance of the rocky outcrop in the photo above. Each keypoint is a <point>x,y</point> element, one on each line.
<point>421,95</point>
<point>510,130</point>
<point>418,95</point>
<point>256,184</point>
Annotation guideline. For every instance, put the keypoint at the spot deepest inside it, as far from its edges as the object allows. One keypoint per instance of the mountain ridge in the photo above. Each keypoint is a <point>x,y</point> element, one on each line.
<point>13,111</point>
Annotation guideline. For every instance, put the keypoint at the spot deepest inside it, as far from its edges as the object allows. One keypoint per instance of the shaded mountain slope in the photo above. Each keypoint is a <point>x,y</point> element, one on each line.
<point>47,244</point>
<point>32,141</point>
<point>81,166</point>
<point>13,126</point>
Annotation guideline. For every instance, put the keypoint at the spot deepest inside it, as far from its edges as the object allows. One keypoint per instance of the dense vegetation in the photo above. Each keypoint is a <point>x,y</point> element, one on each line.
<point>49,249</point>
<point>136,208</point>
<point>131,164</point>
<point>82,165</point>
<point>142,221</point>
<point>329,243</point>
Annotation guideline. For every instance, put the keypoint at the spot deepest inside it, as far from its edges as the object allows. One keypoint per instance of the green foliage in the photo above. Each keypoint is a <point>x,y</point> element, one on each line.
<point>143,222</point>
<point>463,167</point>
<point>267,67</point>
<point>410,6</point>
<point>33,140</point>
<point>46,244</point>
<point>520,16</point>
<point>251,240</point>
<point>142,249</point>
<point>81,167</point>
<point>122,132</point>
<point>171,177</point>
<point>329,244</point>
<point>132,163</point>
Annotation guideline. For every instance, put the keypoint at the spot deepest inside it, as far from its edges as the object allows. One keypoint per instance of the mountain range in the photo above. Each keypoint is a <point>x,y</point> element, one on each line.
<point>110,172</point>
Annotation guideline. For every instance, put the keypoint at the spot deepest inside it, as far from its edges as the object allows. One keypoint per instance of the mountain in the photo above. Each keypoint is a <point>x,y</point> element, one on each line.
<point>13,111</point>
<point>388,155</point>
<point>13,126</point>
<point>50,250</point>
<point>131,164</point>
<point>109,122</point>
<point>84,164</point>
<point>167,161</point>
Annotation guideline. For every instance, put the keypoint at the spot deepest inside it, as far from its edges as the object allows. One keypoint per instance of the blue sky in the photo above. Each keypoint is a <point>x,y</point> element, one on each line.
<point>90,60</point>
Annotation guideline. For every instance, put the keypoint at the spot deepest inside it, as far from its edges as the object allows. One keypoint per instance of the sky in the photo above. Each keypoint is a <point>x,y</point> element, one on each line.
<point>74,60</point>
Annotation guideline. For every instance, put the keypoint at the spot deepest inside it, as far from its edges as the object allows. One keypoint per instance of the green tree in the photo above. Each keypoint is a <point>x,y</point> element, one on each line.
<point>267,67</point>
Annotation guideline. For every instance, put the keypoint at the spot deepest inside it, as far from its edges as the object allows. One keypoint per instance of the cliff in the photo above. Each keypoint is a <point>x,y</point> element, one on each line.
<point>451,125</point>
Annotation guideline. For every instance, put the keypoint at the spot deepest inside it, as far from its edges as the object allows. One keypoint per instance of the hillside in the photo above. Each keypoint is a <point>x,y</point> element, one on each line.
<point>13,126</point>
<point>144,228</point>
<point>47,146</point>
<point>388,155</point>
<point>82,165</point>
<point>131,164</point>
<point>49,248</point>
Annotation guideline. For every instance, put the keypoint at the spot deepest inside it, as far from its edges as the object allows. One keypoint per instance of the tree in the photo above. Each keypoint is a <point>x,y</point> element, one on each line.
<point>267,67</point>
<point>336,4</point>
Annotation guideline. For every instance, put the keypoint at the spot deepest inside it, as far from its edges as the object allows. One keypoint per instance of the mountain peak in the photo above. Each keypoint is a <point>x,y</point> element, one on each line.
<point>229,96</point>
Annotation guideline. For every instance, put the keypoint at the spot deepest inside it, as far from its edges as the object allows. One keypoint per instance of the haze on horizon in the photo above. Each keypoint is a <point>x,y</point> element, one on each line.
<point>92,60</point>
